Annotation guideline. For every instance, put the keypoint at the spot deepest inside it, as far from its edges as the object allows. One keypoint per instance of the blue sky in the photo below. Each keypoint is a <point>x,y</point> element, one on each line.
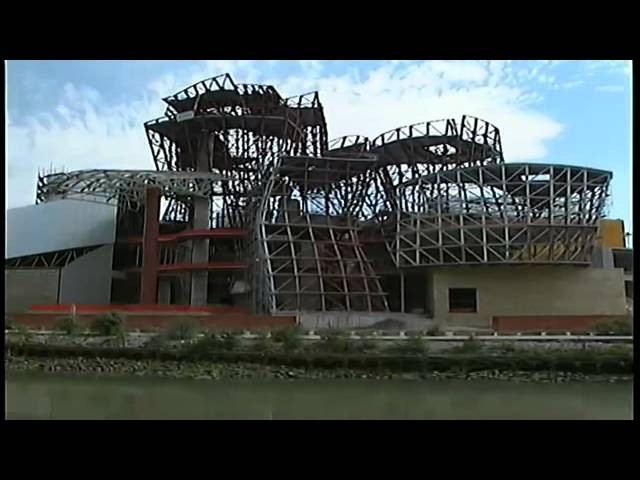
<point>89,114</point>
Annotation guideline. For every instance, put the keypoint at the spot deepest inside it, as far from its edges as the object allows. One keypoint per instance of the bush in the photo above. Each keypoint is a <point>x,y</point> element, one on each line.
<point>338,341</point>
<point>434,331</point>
<point>25,333</point>
<point>289,338</point>
<point>414,345</point>
<point>470,345</point>
<point>183,330</point>
<point>614,327</point>
<point>109,325</point>
<point>365,346</point>
<point>230,341</point>
<point>9,322</point>
<point>68,325</point>
<point>411,346</point>
<point>205,347</point>
<point>262,343</point>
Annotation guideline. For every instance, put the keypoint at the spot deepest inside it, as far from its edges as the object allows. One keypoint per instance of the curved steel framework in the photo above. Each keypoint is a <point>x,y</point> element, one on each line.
<point>127,187</point>
<point>506,213</point>
<point>240,156</point>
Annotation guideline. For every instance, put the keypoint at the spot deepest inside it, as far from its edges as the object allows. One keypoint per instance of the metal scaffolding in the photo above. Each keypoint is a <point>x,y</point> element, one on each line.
<point>506,213</point>
<point>240,156</point>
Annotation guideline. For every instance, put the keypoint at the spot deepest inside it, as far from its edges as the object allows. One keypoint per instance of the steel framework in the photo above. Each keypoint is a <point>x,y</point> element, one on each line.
<point>127,187</point>
<point>505,213</point>
<point>240,156</point>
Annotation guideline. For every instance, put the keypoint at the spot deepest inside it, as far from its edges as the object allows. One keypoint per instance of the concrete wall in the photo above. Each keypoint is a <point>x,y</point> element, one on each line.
<point>87,280</point>
<point>58,225</point>
<point>26,287</point>
<point>529,290</point>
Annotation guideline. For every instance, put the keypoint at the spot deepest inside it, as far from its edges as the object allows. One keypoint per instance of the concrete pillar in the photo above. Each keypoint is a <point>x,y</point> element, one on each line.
<point>200,252</point>
<point>149,286</point>
<point>200,248</point>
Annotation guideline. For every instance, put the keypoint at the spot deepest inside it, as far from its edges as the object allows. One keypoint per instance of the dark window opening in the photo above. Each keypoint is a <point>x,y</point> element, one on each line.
<point>463,300</point>
<point>628,289</point>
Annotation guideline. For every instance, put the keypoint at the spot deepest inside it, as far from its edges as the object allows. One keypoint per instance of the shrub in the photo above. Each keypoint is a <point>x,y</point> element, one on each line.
<point>289,338</point>
<point>68,325</point>
<point>230,341</point>
<point>206,346</point>
<point>109,325</point>
<point>182,330</point>
<point>414,345</point>
<point>9,322</point>
<point>262,343</point>
<point>338,341</point>
<point>614,327</point>
<point>365,346</point>
<point>24,333</point>
<point>470,345</point>
<point>434,331</point>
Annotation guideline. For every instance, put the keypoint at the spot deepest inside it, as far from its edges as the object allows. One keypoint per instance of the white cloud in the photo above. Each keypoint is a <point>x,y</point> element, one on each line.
<point>569,84</point>
<point>610,66</point>
<point>84,132</point>
<point>610,88</point>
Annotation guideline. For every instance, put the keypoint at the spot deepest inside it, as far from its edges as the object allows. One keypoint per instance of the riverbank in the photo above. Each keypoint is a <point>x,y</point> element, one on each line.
<point>289,355</point>
<point>220,370</point>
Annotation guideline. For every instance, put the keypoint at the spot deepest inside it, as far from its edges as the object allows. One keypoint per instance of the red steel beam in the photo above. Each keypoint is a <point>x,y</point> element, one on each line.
<point>189,234</point>
<point>150,253</point>
<point>173,267</point>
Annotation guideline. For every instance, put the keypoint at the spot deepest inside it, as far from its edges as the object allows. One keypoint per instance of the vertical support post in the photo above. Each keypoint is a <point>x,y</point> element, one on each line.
<point>200,220</point>
<point>149,280</point>
<point>402,296</point>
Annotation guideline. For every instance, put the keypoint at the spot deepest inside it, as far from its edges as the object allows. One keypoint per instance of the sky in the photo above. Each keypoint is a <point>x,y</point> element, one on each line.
<point>90,114</point>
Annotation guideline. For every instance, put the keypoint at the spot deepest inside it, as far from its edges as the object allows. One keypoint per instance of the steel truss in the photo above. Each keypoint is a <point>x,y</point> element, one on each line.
<point>433,193</point>
<point>126,187</point>
<point>57,259</point>
<point>506,213</point>
<point>309,236</point>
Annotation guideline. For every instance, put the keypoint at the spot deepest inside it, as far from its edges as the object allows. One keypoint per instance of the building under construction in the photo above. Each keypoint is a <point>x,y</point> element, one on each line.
<point>251,205</point>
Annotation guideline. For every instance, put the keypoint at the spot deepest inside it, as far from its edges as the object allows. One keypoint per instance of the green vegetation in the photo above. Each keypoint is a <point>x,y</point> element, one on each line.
<point>615,327</point>
<point>414,345</point>
<point>262,343</point>
<point>69,325</point>
<point>109,325</point>
<point>182,330</point>
<point>434,331</point>
<point>24,333</point>
<point>470,345</point>
<point>338,341</point>
<point>289,338</point>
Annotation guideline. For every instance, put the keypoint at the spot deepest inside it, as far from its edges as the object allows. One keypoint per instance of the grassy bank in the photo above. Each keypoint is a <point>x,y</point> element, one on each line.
<point>336,355</point>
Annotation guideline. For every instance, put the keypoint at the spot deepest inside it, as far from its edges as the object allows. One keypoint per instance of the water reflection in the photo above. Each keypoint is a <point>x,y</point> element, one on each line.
<point>41,396</point>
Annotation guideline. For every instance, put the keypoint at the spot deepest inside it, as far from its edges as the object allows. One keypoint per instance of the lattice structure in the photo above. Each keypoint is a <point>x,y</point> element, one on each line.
<point>241,157</point>
<point>313,259</point>
<point>505,213</point>
<point>57,259</point>
<point>126,187</point>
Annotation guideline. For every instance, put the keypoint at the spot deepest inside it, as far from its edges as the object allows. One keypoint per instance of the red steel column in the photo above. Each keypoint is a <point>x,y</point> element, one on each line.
<point>150,255</point>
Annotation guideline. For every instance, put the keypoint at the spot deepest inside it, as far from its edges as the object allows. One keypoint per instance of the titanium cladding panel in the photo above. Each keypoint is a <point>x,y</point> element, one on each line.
<point>59,225</point>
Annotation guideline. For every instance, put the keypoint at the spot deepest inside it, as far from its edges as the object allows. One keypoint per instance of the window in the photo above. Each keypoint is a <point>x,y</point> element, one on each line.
<point>463,300</point>
<point>628,289</point>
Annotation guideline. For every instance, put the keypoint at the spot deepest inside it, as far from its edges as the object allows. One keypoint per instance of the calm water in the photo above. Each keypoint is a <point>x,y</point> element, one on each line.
<point>41,396</point>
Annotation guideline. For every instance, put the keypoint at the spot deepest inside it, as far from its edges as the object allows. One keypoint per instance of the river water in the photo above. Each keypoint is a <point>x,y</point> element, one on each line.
<point>57,397</point>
